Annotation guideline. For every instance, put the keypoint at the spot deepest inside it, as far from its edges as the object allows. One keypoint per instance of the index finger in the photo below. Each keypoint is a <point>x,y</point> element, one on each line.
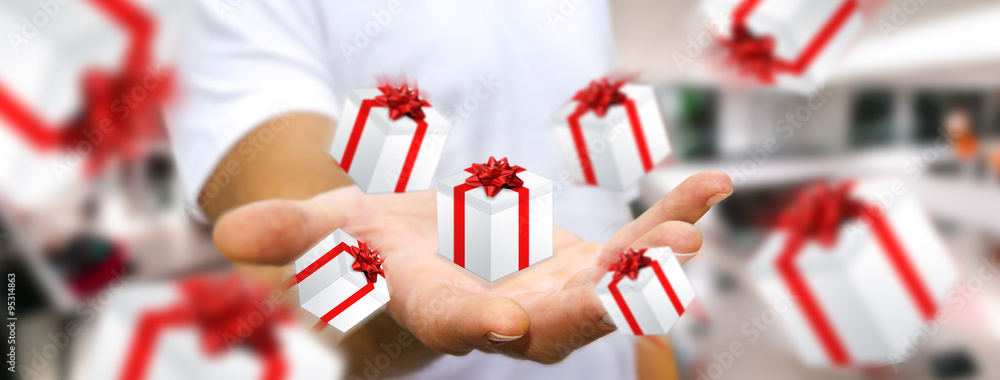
<point>688,202</point>
<point>276,231</point>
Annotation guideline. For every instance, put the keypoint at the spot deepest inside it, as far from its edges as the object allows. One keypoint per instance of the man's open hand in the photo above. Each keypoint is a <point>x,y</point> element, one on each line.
<point>542,313</point>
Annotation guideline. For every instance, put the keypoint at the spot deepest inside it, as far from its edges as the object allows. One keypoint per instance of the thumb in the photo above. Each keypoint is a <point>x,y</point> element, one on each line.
<point>453,321</point>
<point>562,322</point>
<point>276,231</point>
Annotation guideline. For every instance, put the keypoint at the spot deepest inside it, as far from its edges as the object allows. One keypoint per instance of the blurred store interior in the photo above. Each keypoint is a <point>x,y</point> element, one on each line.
<point>918,102</point>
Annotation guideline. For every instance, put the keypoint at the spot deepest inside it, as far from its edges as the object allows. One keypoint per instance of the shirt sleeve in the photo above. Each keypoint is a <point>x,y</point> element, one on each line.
<point>240,66</point>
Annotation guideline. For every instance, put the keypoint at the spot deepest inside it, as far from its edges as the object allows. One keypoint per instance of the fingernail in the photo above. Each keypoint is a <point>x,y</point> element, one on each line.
<point>607,321</point>
<point>498,338</point>
<point>715,199</point>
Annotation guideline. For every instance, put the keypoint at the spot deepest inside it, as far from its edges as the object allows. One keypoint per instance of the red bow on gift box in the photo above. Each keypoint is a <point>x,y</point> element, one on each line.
<point>102,93</point>
<point>227,310</point>
<point>221,307</point>
<point>629,262</point>
<point>753,55</point>
<point>121,121</point>
<point>819,212</point>
<point>367,261</point>
<point>401,102</point>
<point>599,96</point>
<point>494,176</point>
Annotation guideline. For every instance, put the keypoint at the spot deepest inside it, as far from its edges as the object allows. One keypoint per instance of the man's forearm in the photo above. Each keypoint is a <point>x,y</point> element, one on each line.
<point>285,157</point>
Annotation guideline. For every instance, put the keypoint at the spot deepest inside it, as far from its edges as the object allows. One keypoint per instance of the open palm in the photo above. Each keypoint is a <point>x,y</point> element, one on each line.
<point>542,313</point>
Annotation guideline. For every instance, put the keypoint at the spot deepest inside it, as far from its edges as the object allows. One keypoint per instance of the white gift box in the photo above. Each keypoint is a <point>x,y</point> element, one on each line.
<point>331,289</point>
<point>177,351</point>
<point>616,152</point>
<point>804,51</point>
<point>860,290</point>
<point>377,151</point>
<point>502,234</point>
<point>651,303</point>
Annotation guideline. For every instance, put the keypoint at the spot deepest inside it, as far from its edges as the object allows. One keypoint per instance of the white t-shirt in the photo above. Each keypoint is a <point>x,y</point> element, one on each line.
<point>496,71</point>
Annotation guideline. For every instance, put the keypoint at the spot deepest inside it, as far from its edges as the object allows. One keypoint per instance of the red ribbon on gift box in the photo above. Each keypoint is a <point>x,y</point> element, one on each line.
<point>217,306</point>
<point>599,96</point>
<point>401,101</point>
<point>817,214</point>
<point>493,176</point>
<point>104,93</point>
<point>366,261</point>
<point>755,54</point>
<point>628,265</point>
<point>101,92</point>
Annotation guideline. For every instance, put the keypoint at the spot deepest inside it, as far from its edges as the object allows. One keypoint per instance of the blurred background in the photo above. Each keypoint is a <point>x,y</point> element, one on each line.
<point>915,98</point>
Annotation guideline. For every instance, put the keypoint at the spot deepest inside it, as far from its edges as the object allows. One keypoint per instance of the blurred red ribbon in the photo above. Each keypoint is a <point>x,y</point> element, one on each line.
<point>818,213</point>
<point>221,308</point>
<point>401,102</point>
<point>754,55</point>
<point>494,176</point>
<point>599,96</point>
<point>100,90</point>
<point>122,121</point>
<point>629,262</point>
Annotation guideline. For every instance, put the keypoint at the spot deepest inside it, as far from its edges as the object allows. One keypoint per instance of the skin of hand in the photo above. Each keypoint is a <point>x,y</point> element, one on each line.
<point>270,213</point>
<point>542,313</point>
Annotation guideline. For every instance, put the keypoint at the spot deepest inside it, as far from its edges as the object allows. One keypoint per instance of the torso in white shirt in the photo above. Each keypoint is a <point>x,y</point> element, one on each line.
<point>496,70</point>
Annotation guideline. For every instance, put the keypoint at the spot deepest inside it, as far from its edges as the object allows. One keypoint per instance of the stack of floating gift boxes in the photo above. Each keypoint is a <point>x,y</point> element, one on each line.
<point>863,279</point>
<point>495,218</point>
<point>865,276</point>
